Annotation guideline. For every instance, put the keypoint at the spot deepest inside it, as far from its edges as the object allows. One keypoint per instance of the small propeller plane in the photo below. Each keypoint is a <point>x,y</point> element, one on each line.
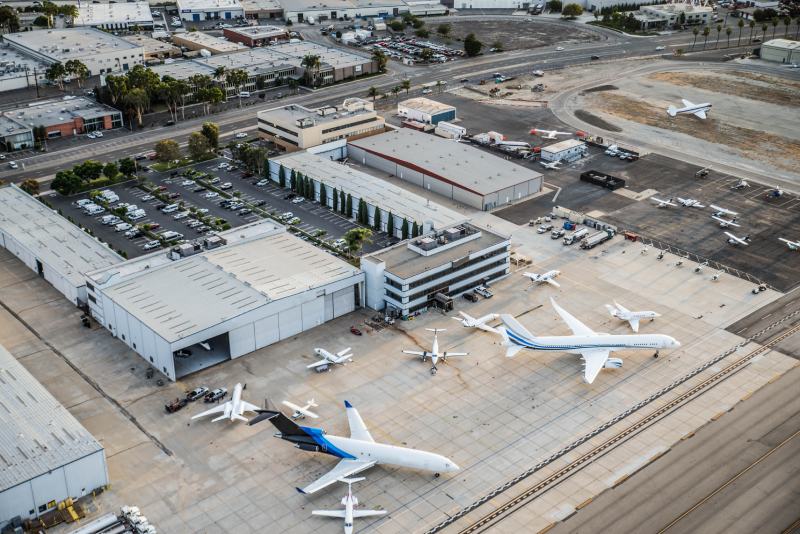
<point>469,321</point>
<point>735,241</point>
<point>300,412</point>
<point>633,317</point>
<point>232,409</point>
<point>793,245</point>
<point>690,203</point>
<point>340,358</point>
<point>349,502</point>
<point>725,223</point>
<point>434,353</point>
<point>698,110</point>
<point>716,276</point>
<point>544,278</point>
<point>661,203</point>
<point>553,165</point>
<point>548,134</point>
<point>723,212</point>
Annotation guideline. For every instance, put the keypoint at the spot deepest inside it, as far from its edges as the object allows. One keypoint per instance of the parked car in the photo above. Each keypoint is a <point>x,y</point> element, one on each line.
<point>226,185</point>
<point>215,395</point>
<point>294,220</point>
<point>544,228</point>
<point>484,292</point>
<point>245,211</point>
<point>133,233</point>
<point>240,135</point>
<point>175,405</point>
<point>260,203</point>
<point>297,200</point>
<point>216,180</point>
<point>211,194</point>
<point>197,393</point>
<point>150,245</point>
<point>290,196</point>
<point>122,227</point>
<point>262,183</point>
<point>470,296</point>
<point>147,198</point>
<point>355,331</point>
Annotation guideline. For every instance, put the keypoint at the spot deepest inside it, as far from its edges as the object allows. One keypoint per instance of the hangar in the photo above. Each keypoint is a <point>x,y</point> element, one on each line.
<point>455,170</point>
<point>199,305</point>
<point>50,245</point>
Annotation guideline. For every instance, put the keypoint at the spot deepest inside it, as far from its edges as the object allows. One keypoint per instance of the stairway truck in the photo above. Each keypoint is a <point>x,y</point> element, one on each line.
<point>575,236</point>
<point>597,238</point>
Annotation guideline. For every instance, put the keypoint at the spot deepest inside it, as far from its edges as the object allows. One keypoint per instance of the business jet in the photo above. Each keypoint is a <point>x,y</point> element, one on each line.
<point>793,245</point>
<point>741,184</point>
<point>469,321</point>
<point>733,240</point>
<point>434,353</point>
<point>340,358</point>
<point>633,317</point>
<point>357,453</point>
<point>553,165</point>
<point>545,278</point>
<point>698,110</point>
<point>232,409</point>
<point>723,212</point>
<point>716,276</point>
<point>548,134</point>
<point>661,203</point>
<point>725,223</point>
<point>349,502</point>
<point>690,203</point>
<point>593,347</point>
<point>301,412</point>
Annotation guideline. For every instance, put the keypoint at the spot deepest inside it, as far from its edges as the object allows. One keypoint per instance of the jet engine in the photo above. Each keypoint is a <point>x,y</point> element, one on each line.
<point>613,363</point>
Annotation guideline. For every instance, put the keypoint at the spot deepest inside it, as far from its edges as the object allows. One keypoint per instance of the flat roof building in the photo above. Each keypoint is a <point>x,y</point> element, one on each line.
<point>455,170</point>
<point>420,273</point>
<point>47,455</point>
<point>302,10</point>
<point>153,48</point>
<point>426,110</point>
<point>668,15</point>
<point>262,285</point>
<point>567,150</point>
<point>100,51</point>
<point>295,127</point>
<point>262,9</point>
<point>21,71</point>
<point>115,16</point>
<point>203,41</point>
<point>199,10</point>
<point>49,244</point>
<point>253,36</point>
<point>781,51</point>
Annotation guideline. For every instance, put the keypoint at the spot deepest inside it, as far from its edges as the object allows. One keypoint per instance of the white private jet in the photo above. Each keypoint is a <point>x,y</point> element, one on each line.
<point>349,502</point>
<point>553,165</point>
<point>716,276</point>
<point>331,359</point>
<point>690,203</point>
<point>545,278</point>
<point>357,453</point>
<point>548,134</point>
<point>633,317</point>
<point>793,245</point>
<point>469,321</point>
<point>593,347</point>
<point>741,184</point>
<point>232,409</point>
<point>301,412</point>
<point>661,203</point>
<point>723,212</point>
<point>725,223</point>
<point>698,110</point>
<point>733,240</point>
<point>434,354</point>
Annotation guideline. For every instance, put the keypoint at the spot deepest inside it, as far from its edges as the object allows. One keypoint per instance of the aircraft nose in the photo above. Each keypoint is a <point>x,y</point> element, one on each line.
<point>452,466</point>
<point>676,343</point>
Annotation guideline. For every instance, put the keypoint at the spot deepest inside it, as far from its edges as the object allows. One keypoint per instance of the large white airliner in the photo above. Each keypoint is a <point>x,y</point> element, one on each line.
<point>349,502</point>
<point>633,317</point>
<point>593,347</point>
<point>434,353</point>
<point>698,110</point>
<point>232,409</point>
<point>357,453</point>
<point>469,321</point>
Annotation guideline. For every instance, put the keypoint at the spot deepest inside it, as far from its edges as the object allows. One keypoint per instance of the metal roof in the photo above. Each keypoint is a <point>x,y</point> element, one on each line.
<point>91,14</point>
<point>63,44</point>
<point>54,240</point>
<point>566,144</point>
<point>425,105</point>
<point>459,164</point>
<point>37,434</point>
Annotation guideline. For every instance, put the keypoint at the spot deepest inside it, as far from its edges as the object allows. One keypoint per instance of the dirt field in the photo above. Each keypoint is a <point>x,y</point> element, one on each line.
<point>743,84</point>
<point>513,35</point>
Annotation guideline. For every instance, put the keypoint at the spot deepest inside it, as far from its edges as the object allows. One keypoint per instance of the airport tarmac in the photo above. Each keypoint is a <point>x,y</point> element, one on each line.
<point>493,416</point>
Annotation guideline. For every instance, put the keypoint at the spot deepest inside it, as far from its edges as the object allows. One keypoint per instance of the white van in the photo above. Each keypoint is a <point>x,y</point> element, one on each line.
<point>171,236</point>
<point>170,209</point>
<point>136,215</point>
<point>130,208</point>
<point>94,209</point>
<point>83,202</point>
<point>109,196</point>
<point>244,94</point>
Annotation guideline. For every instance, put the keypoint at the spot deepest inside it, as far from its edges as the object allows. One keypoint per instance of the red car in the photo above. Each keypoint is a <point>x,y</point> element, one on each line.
<point>354,330</point>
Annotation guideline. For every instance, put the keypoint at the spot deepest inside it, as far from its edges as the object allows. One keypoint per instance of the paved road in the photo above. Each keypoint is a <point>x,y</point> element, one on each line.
<point>762,499</point>
<point>767,315</point>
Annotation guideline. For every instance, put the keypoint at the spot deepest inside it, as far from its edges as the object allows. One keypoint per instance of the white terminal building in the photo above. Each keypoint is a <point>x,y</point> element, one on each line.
<point>567,150</point>
<point>115,16</point>
<point>46,455</point>
<point>426,110</point>
<point>240,291</point>
<point>428,271</point>
<point>199,10</point>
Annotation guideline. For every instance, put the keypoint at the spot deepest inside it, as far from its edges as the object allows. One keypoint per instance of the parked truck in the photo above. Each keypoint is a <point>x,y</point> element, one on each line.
<point>595,239</point>
<point>575,236</point>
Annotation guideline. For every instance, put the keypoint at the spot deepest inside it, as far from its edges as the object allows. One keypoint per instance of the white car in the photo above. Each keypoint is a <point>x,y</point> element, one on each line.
<point>13,164</point>
<point>122,227</point>
<point>240,135</point>
<point>202,211</point>
<point>147,198</point>
<point>559,49</point>
<point>181,215</point>
<point>262,183</point>
<point>211,194</point>
<point>151,245</point>
<point>226,185</point>
<point>427,91</point>
<point>297,200</point>
<point>187,183</point>
<point>659,48</point>
<point>98,134</point>
<point>90,135</point>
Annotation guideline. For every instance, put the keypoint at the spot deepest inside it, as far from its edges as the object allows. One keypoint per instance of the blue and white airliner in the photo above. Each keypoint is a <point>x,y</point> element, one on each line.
<point>357,453</point>
<point>593,347</point>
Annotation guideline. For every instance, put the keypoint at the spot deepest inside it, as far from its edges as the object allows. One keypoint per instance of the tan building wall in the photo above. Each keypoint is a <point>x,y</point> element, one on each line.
<point>292,138</point>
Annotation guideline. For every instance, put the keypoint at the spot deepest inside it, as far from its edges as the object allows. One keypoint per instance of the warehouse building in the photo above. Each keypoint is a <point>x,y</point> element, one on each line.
<point>315,11</point>
<point>50,245</point>
<point>262,9</point>
<point>430,270</point>
<point>426,110</point>
<point>153,48</point>
<point>100,51</point>
<point>115,16</point>
<point>781,51</point>
<point>253,36</point>
<point>204,41</point>
<point>295,127</point>
<point>567,150</point>
<point>46,455</point>
<point>460,172</point>
<point>240,291</point>
<point>198,10</point>
<point>381,197</point>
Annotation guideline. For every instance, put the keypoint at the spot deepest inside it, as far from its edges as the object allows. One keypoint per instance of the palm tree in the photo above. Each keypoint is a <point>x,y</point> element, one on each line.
<point>741,25</point>
<point>763,32</point>
<point>219,73</point>
<point>380,58</point>
<point>775,23</point>
<point>728,32</point>
<point>406,84</point>
<point>719,31</point>
<point>752,25</point>
<point>395,90</point>
<point>311,63</point>
<point>695,31</point>
<point>373,92</point>
<point>237,78</point>
<point>706,31</point>
<point>797,27</point>
<point>786,22</point>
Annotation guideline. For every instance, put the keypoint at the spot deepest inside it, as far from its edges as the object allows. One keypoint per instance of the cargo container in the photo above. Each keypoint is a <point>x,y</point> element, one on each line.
<point>596,239</point>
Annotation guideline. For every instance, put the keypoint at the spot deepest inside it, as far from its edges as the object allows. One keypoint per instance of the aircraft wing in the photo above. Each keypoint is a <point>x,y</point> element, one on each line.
<point>368,513</point>
<point>330,513</point>
<point>247,407</point>
<point>621,308</point>
<point>415,352</point>
<point>358,430</point>
<point>317,364</point>
<point>448,354</point>
<point>577,327</point>
<point>487,328</point>
<point>216,409</point>
<point>700,113</point>
<point>594,360</point>
<point>514,325</point>
<point>343,469</point>
<point>552,282</point>
<point>634,324</point>
<point>686,103</point>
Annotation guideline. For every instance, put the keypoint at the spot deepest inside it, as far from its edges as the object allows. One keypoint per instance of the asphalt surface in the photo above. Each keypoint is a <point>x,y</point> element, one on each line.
<point>694,487</point>
<point>766,315</point>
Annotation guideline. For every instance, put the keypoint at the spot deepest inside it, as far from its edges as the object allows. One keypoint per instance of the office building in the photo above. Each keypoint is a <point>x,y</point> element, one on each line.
<point>426,110</point>
<point>115,16</point>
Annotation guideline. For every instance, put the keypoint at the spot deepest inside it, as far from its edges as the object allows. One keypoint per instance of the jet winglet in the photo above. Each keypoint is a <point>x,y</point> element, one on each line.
<point>347,404</point>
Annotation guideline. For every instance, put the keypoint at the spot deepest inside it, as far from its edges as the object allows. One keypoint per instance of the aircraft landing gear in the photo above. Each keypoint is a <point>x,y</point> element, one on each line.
<point>436,475</point>
<point>655,355</point>
<point>433,370</point>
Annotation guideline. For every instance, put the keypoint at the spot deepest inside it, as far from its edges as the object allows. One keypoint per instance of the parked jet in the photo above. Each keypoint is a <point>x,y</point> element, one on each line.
<point>358,453</point>
<point>434,354</point>
<point>300,412</point>
<point>716,276</point>
<point>471,322</point>
<point>327,358</point>
<point>232,409</point>
<point>793,245</point>
<point>349,502</point>
<point>725,223</point>
<point>741,184</point>
<point>547,277</point>
<point>548,134</point>
<point>690,203</point>
<point>553,165</point>
<point>723,212</point>
<point>593,347</point>
<point>633,317</point>
<point>661,203</point>
<point>733,240</point>
<point>698,110</point>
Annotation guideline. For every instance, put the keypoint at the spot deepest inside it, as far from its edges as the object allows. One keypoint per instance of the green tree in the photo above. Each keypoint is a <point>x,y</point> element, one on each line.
<point>356,238</point>
<point>210,131</point>
<point>406,84</point>
<point>695,32</point>
<point>342,202</point>
<point>719,32</point>
<point>282,176</point>
<point>9,19</point>
<point>728,32</point>
<point>373,92</point>
<point>237,78</point>
<point>110,170</point>
<point>426,54</point>
<point>127,166</point>
<point>136,101</point>
<point>88,170</point>
<point>41,21</point>
<point>199,147</point>
<point>77,69</point>
<point>572,11</point>
<point>30,186</point>
<point>363,214</point>
<point>443,29</point>
<point>141,77</point>
<point>706,31</point>
<point>417,23</point>
<point>311,64</point>
<point>764,32</point>
<point>404,229</point>
<point>752,25</point>
<point>348,210</point>
<point>554,6</point>
<point>67,182</point>
<point>415,230</point>
<point>335,199</point>
<point>390,225</point>
<point>424,33</point>
<point>397,26</point>
<point>787,21</point>
<point>775,23</point>
<point>395,91</point>
<point>55,73</point>
<point>167,150</point>
<point>293,181</point>
<point>219,73</point>
<point>117,88</point>
<point>323,194</point>
<point>380,58</point>
<point>376,222</point>
<point>472,46</point>
<point>740,24</point>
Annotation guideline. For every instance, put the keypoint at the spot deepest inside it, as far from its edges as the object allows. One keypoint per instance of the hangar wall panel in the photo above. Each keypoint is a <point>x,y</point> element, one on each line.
<point>344,301</point>
<point>49,486</point>
<point>313,313</point>
<point>86,474</point>
<point>267,331</point>
<point>328,307</point>
<point>291,322</point>
<point>15,499</point>
<point>242,340</point>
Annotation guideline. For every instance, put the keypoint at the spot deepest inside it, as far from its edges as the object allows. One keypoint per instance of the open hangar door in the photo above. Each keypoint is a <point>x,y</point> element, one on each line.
<point>201,355</point>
